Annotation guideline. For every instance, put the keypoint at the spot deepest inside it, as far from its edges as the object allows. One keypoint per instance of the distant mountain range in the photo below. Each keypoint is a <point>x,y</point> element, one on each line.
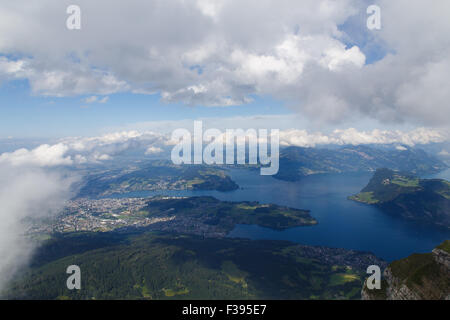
<point>298,162</point>
<point>406,196</point>
<point>424,276</point>
<point>155,175</point>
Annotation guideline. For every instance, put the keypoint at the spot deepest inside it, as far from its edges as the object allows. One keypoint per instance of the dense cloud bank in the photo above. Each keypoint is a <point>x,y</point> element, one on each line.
<point>26,191</point>
<point>314,55</point>
<point>80,150</point>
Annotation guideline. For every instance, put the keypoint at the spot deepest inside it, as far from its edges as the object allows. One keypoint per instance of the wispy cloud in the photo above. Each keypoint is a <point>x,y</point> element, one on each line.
<point>96,99</point>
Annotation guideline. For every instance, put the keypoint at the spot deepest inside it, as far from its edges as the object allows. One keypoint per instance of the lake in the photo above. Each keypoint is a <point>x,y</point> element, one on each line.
<point>342,223</point>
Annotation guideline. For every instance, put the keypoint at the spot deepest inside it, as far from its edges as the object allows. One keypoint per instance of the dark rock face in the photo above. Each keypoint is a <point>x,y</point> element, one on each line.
<point>418,277</point>
<point>396,289</point>
<point>442,257</point>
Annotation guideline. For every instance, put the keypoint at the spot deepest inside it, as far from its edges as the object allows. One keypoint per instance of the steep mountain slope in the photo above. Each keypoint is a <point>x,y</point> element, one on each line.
<point>156,175</point>
<point>417,277</point>
<point>297,162</point>
<point>169,266</point>
<point>406,196</point>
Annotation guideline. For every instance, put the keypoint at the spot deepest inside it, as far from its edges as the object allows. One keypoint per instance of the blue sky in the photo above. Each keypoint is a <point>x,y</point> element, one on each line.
<point>25,115</point>
<point>316,63</point>
<point>29,115</point>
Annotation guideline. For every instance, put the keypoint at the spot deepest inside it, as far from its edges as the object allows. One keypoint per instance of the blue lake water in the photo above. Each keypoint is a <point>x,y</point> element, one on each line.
<point>342,223</point>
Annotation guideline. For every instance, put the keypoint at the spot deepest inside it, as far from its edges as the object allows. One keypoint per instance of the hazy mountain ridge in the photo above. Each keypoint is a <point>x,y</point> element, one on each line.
<point>156,175</point>
<point>297,162</point>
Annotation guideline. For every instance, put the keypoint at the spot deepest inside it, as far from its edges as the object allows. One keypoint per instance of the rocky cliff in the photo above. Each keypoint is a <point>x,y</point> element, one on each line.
<point>417,277</point>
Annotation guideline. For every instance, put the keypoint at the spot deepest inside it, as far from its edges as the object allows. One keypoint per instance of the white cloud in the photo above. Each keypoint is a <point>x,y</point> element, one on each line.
<point>26,191</point>
<point>91,99</point>
<point>354,137</point>
<point>42,156</point>
<point>103,100</point>
<point>210,8</point>
<point>153,150</point>
<point>444,153</point>
<point>79,150</point>
<point>10,67</point>
<point>96,99</point>
<point>336,58</point>
<point>224,52</point>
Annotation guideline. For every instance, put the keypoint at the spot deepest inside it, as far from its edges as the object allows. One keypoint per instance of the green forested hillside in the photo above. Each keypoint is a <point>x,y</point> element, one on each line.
<point>225,214</point>
<point>156,175</point>
<point>168,266</point>
<point>404,195</point>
